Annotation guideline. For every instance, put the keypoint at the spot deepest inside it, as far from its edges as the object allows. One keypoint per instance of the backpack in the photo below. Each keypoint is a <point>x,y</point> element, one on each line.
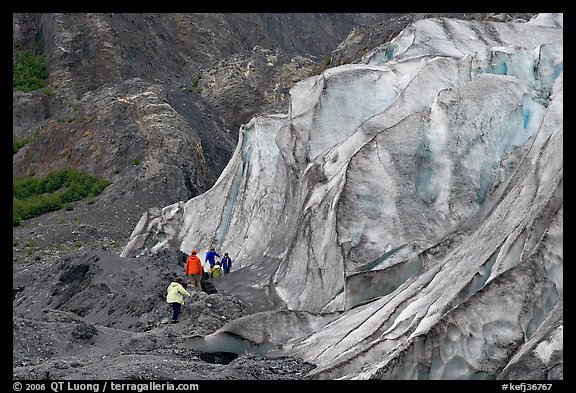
<point>206,285</point>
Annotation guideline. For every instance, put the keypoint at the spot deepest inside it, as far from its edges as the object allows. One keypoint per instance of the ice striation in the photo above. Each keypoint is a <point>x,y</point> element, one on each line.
<point>407,210</point>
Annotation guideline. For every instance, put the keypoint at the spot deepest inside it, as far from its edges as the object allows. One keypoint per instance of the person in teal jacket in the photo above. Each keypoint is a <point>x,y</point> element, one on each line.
<point>175,297</point>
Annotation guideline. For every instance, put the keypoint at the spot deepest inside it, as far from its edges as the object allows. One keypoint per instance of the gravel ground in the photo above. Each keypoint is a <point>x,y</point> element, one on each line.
<point>95,316</point>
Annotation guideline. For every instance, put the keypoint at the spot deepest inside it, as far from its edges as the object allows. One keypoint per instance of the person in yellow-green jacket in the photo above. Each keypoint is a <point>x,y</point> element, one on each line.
<point>175,297</point>
<point>216,270</point>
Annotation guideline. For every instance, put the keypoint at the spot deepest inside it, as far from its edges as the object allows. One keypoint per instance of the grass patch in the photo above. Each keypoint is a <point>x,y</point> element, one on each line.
<point>196,83</point>
<point>19,143</point>
<point>29,73</point>
<point>33,196</point>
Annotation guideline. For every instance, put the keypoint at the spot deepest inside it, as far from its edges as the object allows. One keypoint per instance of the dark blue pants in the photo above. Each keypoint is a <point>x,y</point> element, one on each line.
<point>175,310</point>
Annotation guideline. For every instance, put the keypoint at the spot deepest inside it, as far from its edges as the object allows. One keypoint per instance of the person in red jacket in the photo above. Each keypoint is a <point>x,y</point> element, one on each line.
<point>193,269</point>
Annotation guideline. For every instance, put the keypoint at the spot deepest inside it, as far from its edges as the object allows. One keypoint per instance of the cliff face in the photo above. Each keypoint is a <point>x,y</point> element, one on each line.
<point>85,51</point>
<point>153,102</point>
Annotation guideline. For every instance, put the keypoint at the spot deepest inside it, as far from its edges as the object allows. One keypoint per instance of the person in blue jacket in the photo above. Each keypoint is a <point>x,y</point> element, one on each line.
<point>226,263</point>
<point>210,255</point>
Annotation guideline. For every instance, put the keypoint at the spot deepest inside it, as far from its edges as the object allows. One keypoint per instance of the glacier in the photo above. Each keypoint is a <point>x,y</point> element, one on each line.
<point>404,219</point>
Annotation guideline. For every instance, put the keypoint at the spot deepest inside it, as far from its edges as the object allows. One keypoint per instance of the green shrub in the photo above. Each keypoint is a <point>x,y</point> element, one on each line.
<point>196,83</point>
<point>29,73</point>
<point>25,187</point>
<point>33,196</point>
<point>17,144</point>
<point>55,180</point>
<point>47,90</point>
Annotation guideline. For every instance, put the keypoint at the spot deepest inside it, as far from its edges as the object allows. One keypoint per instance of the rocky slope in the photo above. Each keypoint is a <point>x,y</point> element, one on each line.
<point>98,316</point>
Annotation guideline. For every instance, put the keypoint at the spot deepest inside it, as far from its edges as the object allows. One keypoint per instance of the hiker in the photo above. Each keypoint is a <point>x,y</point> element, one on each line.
<point>194,270</point>
<point>210,255</point>
<point>175,297</point>
<point>216,270</point>
<point>226,262</point>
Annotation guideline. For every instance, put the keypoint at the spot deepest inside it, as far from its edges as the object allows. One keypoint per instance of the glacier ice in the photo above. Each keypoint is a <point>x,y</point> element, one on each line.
<point>410,204</point>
